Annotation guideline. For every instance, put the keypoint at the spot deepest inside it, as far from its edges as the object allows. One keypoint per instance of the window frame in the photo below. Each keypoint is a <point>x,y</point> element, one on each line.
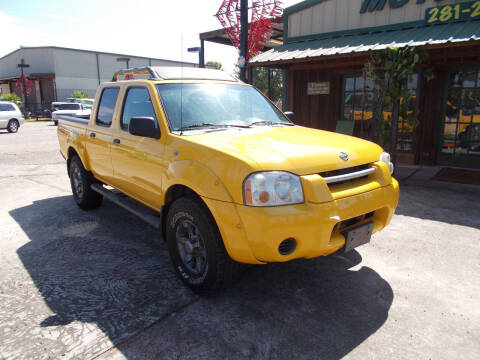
<point>125,96</point>
<point>100,103</point>
<point>452,158</point>
<point>8,105</point>
<point>401,121</point>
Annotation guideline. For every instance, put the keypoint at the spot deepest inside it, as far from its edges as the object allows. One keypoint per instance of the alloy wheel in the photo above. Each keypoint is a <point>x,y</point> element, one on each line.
<point>191,247</point>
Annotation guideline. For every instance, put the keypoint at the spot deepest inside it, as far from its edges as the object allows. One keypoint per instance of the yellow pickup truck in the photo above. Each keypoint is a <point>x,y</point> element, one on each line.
<point>224,175</point>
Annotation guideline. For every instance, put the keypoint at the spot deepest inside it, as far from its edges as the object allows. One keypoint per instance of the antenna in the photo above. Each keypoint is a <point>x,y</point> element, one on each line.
<point>181,87</point>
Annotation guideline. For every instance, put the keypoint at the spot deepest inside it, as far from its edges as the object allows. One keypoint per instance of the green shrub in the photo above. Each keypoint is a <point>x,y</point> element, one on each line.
<point>13,98</point>
<point>80,94</point>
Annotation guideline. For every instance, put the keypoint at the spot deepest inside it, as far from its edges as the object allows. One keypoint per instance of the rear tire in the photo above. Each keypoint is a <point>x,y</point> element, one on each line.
<point>196,248</point>
<point>80,180</point>
<point>12,126</point>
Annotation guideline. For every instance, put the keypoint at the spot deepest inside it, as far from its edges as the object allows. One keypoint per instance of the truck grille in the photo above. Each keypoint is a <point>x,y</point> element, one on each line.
<point>342,176</point>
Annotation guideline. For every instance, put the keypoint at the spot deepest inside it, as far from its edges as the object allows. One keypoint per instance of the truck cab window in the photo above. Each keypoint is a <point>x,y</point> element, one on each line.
<point>137,104</point>
<point>106,107</point>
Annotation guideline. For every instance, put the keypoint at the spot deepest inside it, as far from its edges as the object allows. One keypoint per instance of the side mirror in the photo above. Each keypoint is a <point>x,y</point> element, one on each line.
<point>144,126</point>
<point>290,115</point>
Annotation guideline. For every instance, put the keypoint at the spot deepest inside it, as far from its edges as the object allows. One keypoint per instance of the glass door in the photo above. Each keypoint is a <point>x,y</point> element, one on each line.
<point>460,141</point>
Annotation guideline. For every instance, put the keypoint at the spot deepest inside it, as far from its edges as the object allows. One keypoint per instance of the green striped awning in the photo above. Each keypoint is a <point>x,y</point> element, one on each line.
<point>372,40</point>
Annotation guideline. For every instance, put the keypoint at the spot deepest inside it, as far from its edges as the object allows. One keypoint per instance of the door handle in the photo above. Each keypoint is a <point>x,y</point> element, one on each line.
<point>92,135</point>
<point>116,141</point>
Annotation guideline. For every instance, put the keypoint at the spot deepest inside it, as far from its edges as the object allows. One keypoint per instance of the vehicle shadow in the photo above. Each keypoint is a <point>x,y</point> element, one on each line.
<point>100,277</point>
<point>459,206</point>
<point>305,309</point>
<point>99,273</point>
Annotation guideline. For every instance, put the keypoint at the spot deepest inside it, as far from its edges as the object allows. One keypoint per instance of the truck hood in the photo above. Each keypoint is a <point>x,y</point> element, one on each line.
<point>297,149</point>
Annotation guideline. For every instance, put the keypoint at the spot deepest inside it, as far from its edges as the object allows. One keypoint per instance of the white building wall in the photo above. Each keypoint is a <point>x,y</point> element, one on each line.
<point>73,69</point>
<point>40,61</point>
<point>338,15</point>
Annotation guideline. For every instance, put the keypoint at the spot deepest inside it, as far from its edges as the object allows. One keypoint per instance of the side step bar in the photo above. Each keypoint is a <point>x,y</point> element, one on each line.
<point>143,214</point>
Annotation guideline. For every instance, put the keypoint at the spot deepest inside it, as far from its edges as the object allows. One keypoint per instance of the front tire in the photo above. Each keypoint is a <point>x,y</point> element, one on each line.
<point>196,248</point>
<point>12,126</point>
<point>80,180</point>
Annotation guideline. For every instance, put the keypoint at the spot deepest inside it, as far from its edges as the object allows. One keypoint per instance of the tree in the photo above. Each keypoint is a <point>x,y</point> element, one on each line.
<point>13,98</point>
<point>215,64</point>
<point>80,94</point>
<point>260,81</point>
<point>391,71</point>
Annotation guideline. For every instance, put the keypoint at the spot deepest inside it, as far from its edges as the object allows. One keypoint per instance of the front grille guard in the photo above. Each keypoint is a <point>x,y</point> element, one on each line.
<point>350,176</point>
<point>336,177</point>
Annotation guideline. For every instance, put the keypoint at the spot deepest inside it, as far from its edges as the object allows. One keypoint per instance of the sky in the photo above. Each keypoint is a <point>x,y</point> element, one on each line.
<point>151,28</point>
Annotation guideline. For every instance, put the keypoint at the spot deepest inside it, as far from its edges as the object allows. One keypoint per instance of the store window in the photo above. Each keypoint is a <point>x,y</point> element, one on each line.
<point>358,107</point>
<point>461,129</point>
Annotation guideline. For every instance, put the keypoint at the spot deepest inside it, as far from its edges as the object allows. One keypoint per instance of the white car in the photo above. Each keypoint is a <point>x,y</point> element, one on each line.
<point>87,103</point>
<point>10,116</point>
<point>69,109</point>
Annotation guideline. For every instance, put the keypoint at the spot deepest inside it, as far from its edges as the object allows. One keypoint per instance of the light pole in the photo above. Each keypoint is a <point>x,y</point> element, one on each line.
<point>126,60</point>
<point>198,50</point>
<point>244,39</point>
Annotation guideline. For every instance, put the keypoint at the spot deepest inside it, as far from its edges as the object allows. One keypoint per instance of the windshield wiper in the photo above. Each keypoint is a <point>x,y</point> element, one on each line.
<point>201,125</point>
<point>265,122</point>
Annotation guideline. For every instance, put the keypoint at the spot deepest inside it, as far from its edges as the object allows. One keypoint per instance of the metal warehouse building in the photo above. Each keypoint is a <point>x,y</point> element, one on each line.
<point>56,72</point>
<point>326,44</point>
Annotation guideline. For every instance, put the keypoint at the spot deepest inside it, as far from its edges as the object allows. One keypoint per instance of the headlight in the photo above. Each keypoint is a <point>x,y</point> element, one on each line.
<point>385,157</point>
<point>272,188</point>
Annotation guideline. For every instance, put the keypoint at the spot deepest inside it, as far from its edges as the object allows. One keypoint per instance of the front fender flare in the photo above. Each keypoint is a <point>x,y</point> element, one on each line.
<point>197,177</point>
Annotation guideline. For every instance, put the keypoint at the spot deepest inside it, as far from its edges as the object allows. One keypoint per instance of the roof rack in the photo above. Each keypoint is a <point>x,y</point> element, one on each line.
<point>146,70</point>
<point>176,73</point>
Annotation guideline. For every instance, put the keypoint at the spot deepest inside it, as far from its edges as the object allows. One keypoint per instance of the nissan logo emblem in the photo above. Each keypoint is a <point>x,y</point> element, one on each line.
<point>343,156</point>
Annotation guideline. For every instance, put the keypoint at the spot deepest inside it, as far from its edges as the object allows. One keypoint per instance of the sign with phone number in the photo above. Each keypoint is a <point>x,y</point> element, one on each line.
<point>462,11</point>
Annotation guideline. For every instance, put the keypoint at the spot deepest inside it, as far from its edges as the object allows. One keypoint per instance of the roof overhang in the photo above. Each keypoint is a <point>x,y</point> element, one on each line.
<point>370,40</point>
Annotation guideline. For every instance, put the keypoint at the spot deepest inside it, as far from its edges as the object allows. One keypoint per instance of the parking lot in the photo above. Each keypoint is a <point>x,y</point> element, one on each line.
<point>99,284</point>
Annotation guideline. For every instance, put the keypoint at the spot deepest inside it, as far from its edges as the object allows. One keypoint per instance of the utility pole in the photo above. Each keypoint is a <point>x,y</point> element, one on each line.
<point>244,38</point>
<point>21,66</point>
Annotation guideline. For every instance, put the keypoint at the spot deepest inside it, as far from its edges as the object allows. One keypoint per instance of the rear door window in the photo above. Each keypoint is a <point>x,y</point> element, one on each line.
<point>6,107</point>
<point>106,107</point>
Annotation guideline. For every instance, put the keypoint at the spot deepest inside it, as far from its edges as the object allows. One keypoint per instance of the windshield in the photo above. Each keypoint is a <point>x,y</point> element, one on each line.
<point>68,106</point>
<point>217,105</point>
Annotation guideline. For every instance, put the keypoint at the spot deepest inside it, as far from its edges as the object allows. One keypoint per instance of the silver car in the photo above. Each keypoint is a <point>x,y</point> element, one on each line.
<point>10,116</point>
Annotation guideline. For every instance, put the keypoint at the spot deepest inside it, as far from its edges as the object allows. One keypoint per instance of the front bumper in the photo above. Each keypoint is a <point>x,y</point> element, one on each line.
<point>313,226</point>
<point>253,234</point>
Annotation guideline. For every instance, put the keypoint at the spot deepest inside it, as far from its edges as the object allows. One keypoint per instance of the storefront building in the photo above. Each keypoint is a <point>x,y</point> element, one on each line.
<point>327,43</point>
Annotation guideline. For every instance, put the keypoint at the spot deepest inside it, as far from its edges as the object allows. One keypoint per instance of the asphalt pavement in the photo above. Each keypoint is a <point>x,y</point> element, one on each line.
<point>99,284</point>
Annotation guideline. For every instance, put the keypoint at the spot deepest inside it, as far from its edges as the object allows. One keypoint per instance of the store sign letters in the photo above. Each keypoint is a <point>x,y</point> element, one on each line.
<point>461,11</point>
<point>378,5</point>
